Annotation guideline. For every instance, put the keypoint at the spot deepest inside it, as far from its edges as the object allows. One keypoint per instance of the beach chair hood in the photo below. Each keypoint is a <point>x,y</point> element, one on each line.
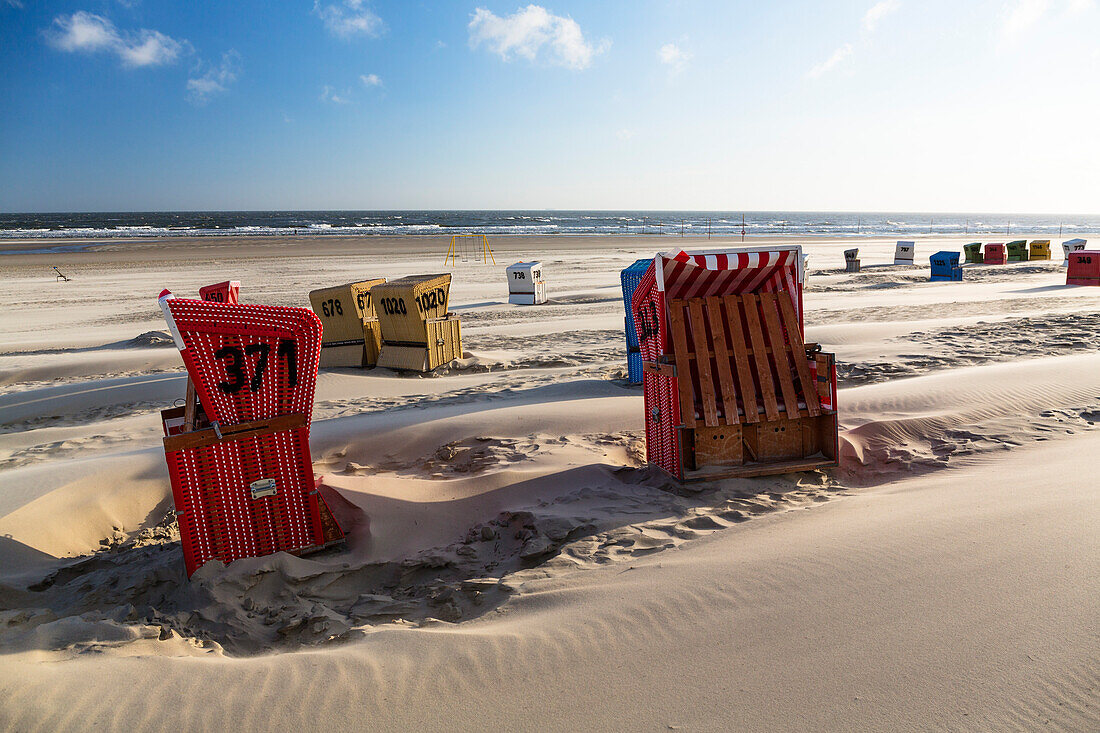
<point>683,274</point>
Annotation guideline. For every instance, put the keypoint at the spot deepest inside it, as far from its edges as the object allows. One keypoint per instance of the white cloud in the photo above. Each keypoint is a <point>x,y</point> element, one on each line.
<point>624,134</point>
<point>149,48</point>
<point>830,63</point>
<point>370,80</point>
<point>215,80</point>
<point>15,3</point>
<point>83,32</point>
<point>1021,15</point>
<point>529,31</point>
<point>672,55</point>
<point>328,94</point>
<point>348,18</point>
<point>877,12</point>
<point>1080,6</point>
<point>89,33</point>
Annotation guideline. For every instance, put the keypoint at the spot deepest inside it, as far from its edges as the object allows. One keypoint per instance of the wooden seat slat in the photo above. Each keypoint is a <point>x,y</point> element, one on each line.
<point>802,365</point>
<point>706,382</point>
<point>683,366</point>
<point>781,355</point>
<point>740,346</point>
<point>725,374</point>
<point>751,306</point>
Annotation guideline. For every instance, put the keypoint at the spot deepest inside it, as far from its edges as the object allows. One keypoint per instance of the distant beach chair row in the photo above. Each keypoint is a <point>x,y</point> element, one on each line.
<point>945,264</point>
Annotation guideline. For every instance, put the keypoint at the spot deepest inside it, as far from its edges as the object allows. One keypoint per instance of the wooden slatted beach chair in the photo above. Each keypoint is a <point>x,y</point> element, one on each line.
<point>851,260</point>
<point>238,452</point>
<point>352,336</point>
<point>731,389</point>
<point>418,333</point>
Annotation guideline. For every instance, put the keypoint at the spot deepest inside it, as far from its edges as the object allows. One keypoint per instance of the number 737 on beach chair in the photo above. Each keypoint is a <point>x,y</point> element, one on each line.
<point>241,470</point>
<point>730,387</point>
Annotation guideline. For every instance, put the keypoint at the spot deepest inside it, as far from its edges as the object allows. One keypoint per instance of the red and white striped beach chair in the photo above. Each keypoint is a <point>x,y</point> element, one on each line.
<point>241,470</point>
<point>730,387</point>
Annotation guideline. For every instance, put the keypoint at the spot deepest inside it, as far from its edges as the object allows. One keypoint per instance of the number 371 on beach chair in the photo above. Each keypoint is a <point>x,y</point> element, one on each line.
<point>731,389</point>
<point>239,460</point>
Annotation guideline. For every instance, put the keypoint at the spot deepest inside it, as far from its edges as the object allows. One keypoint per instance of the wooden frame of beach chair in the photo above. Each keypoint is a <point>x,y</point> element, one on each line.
<point>730,388</point>
<point>238,449</point>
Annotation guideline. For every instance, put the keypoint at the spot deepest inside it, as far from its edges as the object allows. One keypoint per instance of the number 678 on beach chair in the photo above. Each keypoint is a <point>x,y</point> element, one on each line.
<point>730,387</point>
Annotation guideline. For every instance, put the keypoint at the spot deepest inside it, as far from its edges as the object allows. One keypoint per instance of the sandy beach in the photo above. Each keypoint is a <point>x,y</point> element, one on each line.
<point>513,563</point>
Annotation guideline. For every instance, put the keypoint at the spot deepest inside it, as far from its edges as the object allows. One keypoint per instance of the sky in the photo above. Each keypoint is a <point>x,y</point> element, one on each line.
<point>896,105</point>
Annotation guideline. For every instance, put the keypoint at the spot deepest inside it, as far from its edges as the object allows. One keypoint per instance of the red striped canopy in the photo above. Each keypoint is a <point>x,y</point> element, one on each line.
<point>725,272</point>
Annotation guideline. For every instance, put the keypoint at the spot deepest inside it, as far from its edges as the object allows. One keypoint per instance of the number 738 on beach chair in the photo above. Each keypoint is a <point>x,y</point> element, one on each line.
<point>241,471</point>
<point>730,387</point>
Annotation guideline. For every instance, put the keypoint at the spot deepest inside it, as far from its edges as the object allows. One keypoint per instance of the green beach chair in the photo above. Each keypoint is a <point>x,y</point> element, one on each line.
<point>973,252</point>
<point>1017,251</point>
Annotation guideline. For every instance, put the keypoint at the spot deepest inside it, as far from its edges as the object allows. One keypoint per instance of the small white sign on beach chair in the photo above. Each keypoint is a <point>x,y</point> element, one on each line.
<point>1072,245</point>
<point>903,253</point>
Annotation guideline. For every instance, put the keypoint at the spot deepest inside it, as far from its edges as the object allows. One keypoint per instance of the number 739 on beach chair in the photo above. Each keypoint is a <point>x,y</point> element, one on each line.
<point>730,387</point>
<point>241,470</point>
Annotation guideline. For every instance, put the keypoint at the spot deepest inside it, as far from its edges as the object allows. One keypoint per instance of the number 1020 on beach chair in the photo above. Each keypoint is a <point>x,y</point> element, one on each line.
<point>731,389</point>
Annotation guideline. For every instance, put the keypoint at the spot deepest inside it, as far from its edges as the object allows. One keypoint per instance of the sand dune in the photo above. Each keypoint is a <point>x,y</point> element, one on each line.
<point>512,564</point>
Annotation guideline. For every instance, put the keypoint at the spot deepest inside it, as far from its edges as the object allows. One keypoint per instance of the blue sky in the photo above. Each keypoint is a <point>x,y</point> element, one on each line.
<point>991,105</point>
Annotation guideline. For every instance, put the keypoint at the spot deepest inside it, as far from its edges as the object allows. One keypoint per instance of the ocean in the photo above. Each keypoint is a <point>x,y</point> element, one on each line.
<point>693,223</point>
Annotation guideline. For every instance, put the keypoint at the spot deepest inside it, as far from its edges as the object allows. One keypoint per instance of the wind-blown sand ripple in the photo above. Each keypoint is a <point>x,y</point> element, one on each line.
<point>512,564</point>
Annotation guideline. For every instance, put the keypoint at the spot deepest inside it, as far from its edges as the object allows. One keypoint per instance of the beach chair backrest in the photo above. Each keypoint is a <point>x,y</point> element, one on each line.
<point>248,362</point>
<point>405,305</point>
<point>904,253</point>
<point>343,308</point>
<point>740,359</point>
<point>1073,245</point>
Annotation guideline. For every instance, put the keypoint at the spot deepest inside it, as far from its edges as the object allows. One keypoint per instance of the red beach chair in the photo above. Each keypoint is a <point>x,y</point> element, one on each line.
<point>1084,268</point>
<point>226,292</point>
<point>995,254</point>
<point>730,387</point>
<point>240,465</point>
